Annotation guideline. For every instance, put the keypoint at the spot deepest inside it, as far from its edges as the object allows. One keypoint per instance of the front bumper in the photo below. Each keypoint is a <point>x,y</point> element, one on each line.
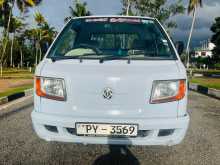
<point>152,126</point>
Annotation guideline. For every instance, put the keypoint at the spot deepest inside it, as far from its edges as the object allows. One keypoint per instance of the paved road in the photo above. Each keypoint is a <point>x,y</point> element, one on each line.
<point>20,145</point>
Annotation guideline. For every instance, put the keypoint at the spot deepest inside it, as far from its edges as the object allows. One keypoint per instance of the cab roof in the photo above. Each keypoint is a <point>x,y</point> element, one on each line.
<point>115,16</point>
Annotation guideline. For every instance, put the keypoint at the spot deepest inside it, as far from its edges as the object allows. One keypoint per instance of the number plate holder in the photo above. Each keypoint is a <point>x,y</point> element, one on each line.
<point>106,129</point>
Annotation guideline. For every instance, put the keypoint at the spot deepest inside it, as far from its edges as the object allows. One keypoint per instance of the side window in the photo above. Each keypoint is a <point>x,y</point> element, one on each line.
<point>162,47</point>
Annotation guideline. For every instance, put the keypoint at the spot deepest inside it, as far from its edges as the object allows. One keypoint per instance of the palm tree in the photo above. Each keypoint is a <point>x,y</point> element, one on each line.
<point>17,25</point>
<point>1,2</point>
<point>127,7</point>
<point>44,34</point>
<point>22,5</point>
<point>78,10</point>
<point>192,8</point>
<point>32,36</point>
<point>49,33</point>
<point>40,20</point>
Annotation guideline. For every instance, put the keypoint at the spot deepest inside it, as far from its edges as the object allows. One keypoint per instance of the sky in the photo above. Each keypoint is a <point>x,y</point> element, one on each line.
<point>56,10</point>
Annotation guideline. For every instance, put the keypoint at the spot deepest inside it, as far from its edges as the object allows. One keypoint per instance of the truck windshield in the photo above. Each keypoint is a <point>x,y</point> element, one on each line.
<point>100,38</point>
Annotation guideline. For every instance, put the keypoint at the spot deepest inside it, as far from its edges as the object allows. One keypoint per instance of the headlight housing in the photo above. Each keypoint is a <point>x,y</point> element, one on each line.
<point>167,91</point>
<point>51,88</point>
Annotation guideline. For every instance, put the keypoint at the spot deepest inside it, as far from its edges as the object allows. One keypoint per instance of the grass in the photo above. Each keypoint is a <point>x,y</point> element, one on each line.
<point>206,72</point>
<point>210,70</point>
<point>15,90</point>
<point>207,82</point>
<point>14,73</point>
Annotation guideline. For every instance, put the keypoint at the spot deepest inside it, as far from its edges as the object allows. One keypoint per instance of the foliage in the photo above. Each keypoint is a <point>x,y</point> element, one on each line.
<point>217,65</point>
<point>77,10</point>
<point>159,9</point>
<point>194,4</point>
<point>128,5</point>
<point>200,61</point>
<point>40,38</point>
<point>39,18</point>
<point>23,5</point>
<point>11,24</point>
<point>216,40</point>
<point>6,7</point>
<point>18,40</point>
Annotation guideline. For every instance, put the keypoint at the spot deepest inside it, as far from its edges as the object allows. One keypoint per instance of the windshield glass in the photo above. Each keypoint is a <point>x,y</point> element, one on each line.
<point>95,38</point>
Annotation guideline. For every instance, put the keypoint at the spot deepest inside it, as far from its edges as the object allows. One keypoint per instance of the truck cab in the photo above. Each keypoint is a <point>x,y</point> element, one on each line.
<point>111,80</point>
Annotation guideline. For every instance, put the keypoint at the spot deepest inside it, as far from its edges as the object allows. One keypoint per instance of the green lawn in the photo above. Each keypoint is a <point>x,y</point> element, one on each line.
<point>14,73</point>
<point>207,82</point>
<point>15,90</point>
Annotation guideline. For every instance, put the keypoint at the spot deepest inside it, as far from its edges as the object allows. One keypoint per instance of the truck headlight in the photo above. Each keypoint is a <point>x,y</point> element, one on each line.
<point>51,88</point>
<point>167,91</point>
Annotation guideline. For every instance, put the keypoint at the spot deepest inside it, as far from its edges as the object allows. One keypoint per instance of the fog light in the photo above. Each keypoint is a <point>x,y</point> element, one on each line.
<point>51,128</point>
<point>165,132</point>
<point>143,133</point>
<point>71,130</point>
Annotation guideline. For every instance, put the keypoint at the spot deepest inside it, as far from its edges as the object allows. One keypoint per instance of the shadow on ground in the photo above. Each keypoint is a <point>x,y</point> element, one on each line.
<point>118,155</point>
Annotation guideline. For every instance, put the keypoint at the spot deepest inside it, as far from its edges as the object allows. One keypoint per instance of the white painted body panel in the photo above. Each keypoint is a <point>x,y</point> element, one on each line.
<point>131,85</point>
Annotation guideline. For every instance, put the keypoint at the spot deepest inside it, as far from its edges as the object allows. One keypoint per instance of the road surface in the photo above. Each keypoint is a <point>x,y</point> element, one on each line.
<point>20,145</point>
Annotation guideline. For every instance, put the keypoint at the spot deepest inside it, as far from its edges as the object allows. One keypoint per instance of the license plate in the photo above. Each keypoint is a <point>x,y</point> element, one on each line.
<point>99,129</point>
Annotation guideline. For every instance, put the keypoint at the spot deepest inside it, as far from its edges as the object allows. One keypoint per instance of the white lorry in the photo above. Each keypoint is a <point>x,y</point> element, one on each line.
<point>111,80</point>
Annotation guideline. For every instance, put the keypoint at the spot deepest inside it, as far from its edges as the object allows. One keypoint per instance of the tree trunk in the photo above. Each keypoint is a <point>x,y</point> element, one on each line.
<point>6,31</point>
<point>128,7</point>
<point>189,39</point>
<point>40,55</point>
<point>1,69</point>
<point>12,45</point>
<point>4,45</point>
<point>21,53</point>
<point>40,51</point>
<point>36,54</point>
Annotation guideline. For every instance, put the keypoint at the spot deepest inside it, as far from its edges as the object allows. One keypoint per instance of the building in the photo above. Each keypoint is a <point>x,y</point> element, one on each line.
<point>205,50</point>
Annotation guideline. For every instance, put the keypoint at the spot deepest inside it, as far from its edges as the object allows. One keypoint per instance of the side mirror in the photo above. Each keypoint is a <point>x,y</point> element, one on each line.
<point>179,47</point>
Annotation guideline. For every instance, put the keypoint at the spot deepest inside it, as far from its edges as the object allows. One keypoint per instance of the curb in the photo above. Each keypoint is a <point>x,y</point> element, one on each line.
<point>204,90</point>
<point>16,96</point>
<point>9,108</point>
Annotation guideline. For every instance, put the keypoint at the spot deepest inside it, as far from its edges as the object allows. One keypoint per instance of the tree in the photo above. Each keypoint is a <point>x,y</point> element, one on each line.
<point>6,15</point>
<point>16,27</point>
<point>49,33</point>
<point>78,10</point>
<point>159,9</point>
<point>127,7</point>
<point>216,40</point>
<point>43,35</point>
<point>192,8</point>
<point>39,19</point>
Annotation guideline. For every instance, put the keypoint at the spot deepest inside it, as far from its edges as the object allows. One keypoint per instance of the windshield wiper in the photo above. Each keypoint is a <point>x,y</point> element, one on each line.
<point>57,58</point>
<point>110,57</point>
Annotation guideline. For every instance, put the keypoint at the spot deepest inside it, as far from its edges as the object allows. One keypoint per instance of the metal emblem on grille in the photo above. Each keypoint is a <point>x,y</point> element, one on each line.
<point>107,93</point>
